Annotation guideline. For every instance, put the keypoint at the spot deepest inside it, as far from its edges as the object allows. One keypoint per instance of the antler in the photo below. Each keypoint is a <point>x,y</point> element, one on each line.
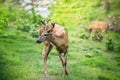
<point>43,22</point>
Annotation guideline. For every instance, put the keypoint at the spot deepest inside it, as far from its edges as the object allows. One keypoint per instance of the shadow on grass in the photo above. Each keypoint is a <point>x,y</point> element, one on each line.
<point>3,75</point>
<point>8,71</point>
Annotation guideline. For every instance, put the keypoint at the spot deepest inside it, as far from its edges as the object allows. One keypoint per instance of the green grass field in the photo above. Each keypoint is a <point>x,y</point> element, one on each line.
<point>21,59</point>
<point>88,59</point>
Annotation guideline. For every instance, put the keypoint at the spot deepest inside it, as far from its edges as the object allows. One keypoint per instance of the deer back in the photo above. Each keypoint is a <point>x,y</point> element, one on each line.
<point>98,25</point>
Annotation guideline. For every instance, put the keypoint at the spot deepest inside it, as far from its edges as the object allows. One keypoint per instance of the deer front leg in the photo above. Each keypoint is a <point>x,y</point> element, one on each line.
<point>47,49</point>
<point>89,31</point>
<point>96,35</point>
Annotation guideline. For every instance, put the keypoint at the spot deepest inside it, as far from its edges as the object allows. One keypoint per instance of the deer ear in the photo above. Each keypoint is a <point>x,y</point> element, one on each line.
<point>43,22</point>
<point>50,30</point>
<point>53,24</point>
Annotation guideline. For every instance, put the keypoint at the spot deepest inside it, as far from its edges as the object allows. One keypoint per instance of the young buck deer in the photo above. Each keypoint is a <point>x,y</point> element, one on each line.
<point>54,35</point>
<point>97,26</point>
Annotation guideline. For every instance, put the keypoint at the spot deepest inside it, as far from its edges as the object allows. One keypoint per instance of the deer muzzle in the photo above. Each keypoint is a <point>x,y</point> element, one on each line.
<point>41,39</point>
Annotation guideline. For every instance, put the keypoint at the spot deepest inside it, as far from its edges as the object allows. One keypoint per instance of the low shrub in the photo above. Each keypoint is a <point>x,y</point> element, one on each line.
<point>34,34</point>
<point>93,52</point>
<point>3,17</point>
<point>83,36</point>
<point>110,44</point>
<point>24,27</point>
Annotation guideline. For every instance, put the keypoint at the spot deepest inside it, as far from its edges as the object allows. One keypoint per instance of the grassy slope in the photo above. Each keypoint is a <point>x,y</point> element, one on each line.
<point>21,57</point>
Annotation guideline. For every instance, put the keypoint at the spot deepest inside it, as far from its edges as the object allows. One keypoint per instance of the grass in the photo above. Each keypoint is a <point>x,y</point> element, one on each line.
<point>18,59</point>
<point>21,57</point>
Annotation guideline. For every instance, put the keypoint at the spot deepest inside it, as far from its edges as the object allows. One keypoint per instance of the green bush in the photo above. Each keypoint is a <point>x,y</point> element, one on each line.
<point>115,4</point>
<point>110,44</point>
<point>100,35</point>
<point>91,52</point>
<point>83,36</point>
<point>34,34</point>
<point>24,28</point>
<point>3,17</point>
<point>15,19</point>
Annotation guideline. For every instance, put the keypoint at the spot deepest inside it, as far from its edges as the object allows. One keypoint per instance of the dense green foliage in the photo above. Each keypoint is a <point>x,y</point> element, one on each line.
<point>88,59</point>
<point>110,44</point>
<point>13,20</point>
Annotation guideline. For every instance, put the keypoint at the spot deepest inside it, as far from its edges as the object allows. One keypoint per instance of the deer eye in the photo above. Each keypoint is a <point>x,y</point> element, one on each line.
<point>45,27</point>
<point>45,34</point>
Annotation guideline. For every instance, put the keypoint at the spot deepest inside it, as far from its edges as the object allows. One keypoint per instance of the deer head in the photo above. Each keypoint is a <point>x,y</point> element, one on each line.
<point>46,32</point>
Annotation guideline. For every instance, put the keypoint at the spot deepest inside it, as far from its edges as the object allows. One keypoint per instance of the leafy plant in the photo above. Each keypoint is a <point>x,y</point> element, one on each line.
<point>115,4</point>
<point>93,52</point>
<point>110,44</point>
<point>83,36</point>
<point>34,34</point>
<point>100,35</point>
<point>25,27</point>
<point>3,17</point>
<point>34,14</point>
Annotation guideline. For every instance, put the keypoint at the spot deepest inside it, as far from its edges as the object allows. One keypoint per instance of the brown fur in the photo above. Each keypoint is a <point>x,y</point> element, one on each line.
<point>98,26</point>
<point>59,39</point>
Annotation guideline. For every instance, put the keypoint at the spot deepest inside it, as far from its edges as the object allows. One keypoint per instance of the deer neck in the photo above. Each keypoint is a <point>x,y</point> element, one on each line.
<point>54,40</point>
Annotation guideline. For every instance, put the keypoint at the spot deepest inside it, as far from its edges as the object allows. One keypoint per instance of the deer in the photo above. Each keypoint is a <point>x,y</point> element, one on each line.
<point>97,26</point>
<point>54,35</point>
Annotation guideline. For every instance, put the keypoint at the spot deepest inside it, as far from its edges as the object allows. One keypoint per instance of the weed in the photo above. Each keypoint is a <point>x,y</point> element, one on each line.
<point>83,36</point>
<point>100,35</point>
<point>110,44</point>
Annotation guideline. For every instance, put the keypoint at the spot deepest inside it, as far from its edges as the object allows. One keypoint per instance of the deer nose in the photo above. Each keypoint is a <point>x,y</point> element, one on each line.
<point>38,41</point>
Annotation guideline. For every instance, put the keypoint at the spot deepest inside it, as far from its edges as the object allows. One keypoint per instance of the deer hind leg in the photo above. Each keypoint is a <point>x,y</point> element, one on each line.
<point>105,33</point>
<point>64,62</point>
<point>47,49</point>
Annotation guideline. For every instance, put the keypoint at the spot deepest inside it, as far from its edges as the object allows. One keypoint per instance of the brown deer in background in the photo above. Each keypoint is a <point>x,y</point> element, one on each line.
<point>97,26</point>
<point>54,35</point>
